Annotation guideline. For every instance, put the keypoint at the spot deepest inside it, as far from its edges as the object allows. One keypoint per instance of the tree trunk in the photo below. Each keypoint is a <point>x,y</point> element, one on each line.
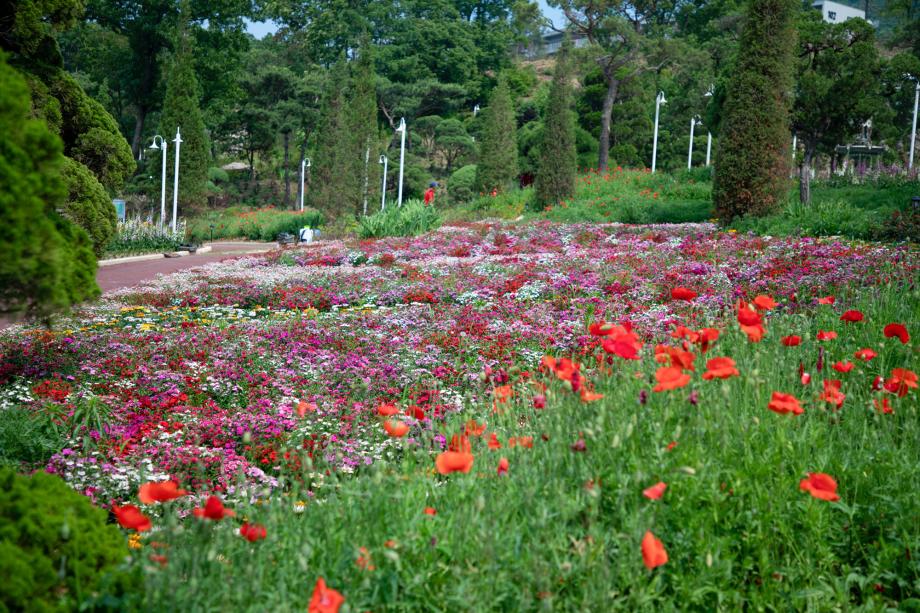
<point>805,177</point>
<point>287,176</point>
<point>138,131</point>
<point>603,147</point>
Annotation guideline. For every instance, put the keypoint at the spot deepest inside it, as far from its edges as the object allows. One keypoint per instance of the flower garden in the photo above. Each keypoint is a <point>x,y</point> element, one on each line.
<point>498,417</point>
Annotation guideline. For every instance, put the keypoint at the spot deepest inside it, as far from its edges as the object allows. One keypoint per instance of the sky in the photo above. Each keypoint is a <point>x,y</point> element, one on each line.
<point>262,28</point>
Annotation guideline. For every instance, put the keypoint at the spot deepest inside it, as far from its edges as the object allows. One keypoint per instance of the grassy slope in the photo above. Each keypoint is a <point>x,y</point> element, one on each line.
<point>562,530</point>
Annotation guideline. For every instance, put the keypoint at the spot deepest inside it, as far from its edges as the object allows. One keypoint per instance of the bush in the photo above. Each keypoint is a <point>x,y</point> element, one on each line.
<point>28,440</point>
<point>134,236</point>
<point>411,219</point>
<point>263,224</point>
<point>56,551</point>
<point>88,205</point>
<point>901,225</point>
<point>461,186</point>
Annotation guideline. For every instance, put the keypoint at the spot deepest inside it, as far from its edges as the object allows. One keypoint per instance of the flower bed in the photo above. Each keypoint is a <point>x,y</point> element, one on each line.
<point>266,380</point>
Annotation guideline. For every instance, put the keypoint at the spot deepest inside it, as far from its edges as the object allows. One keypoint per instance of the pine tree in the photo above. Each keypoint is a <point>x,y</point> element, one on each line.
<point>498,163</point>
<point>328,182</point>
<point>362,131</point>
<point>555,180</point>
<point>753,159</point>
<point>47,262</point>
<point>181,111</point>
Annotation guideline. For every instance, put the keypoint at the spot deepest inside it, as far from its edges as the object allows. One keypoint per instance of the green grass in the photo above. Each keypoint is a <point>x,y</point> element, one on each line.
<point>410,219</point>
<point>562,530</point>
<point>254,224</point>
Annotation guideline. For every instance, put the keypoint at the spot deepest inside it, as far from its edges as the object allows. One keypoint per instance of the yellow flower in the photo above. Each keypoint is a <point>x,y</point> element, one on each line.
<point>134,541</point>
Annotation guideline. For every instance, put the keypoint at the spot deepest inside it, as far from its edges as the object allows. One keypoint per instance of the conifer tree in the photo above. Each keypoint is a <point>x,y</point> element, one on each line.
<point>181,110</point>
<point>47,262</point>
<point>498,163</point>
<point>361,121</point>
<point>555,180</point>
<point>753,159</point>
<point>328,182</point>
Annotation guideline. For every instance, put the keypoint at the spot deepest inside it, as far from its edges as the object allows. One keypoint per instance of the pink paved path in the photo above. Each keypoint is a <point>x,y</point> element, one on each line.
<point>117,276</point>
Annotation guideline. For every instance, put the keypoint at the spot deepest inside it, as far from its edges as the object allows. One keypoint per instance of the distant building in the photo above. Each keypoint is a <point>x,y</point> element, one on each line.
<point>835,12</point>
<point>549,44</point>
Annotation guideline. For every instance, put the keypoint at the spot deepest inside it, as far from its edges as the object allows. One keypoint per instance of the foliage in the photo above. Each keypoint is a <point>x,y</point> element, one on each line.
<point>752,162</point>
<point>28,438</point>
<point>497,168</point>
<point>135,236</point>
<point>88,205</point>
<point>359,168</point>
<point>555,180</point>
<point>410,219</point>
<point>181,111</point>
<point>263,224</point>
<point>461,185</point>
<point>56,550</point>
<point>48,262</point>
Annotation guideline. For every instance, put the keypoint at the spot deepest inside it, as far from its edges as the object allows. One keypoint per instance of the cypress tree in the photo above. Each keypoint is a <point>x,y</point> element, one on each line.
<point>753,160</point>
<point>498,163</point>
<point>555,180</point>
<point>361,122</point>
<point>328,182</point>
<point>47,262</point>
<point>181,110</point>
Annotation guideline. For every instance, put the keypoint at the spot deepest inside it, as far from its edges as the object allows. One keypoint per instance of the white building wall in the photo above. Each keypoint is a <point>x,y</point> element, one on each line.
<point>834,12</point>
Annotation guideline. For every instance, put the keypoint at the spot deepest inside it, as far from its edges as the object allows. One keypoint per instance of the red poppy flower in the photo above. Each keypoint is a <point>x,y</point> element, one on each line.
<point>159,491</point>
<point>253,532</point>
<point>131,518</point>
<point>826,300</point>
<point>671,446</point>
<point>878,383</point>
<point>884,406</point>
<point>396,429</point>
<point>430,511</point>
<point>387,410</point>
<point>473,429</point>
<point>304,407</point>
<point>791,341</point>
<point>750,321</point>
<point>589,396</point>
<point>865,354</point>
<point>494,443</point>
<point>600,328</point>
<point>503,466</point>
<point>785,403</point>
<point>764,303</point>
<point>454,461</point>
<point>653,553</point>
<point>821,486</point>
<point>364,559</point>
<point>832,393</point>
<point>656,491</point>
<point>826,335</point>
<point>502,393</point>
<point>900,380</point>
<point>213,509</point>
<point>805,378</point>
<point>522,441</point>
<point>678,358</point>
<point>685,332</point>
<point>670,378</point>
<point>460,443</point>
<point>897,331</point>
<point>851,316</point>
<point>720,368</point>
<point>843,366</point>
<point>683,293</point>
<point>325,599</point>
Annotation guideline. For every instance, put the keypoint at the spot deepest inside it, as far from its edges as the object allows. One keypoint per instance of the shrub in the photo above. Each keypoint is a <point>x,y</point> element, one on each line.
<point>135,236</point>
<point>263,224</point>
<point>28,440</point>
<point>498,164</point>
<point>56,550</point>
<point>461,186</point>
<point>88,205</point>
<point>411,219</point>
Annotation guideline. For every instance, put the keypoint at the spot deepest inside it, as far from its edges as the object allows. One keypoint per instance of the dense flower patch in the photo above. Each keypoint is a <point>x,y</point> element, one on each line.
<point>230,377</point>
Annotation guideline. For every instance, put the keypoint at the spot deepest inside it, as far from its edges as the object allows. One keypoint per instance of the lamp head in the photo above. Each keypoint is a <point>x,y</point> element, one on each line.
<point>402,125</point>
<point>383,159</point>
<point>661,98</point>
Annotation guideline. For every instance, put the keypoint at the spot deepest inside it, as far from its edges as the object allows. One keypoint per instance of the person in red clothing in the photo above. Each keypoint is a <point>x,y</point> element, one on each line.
<point>429,193</point>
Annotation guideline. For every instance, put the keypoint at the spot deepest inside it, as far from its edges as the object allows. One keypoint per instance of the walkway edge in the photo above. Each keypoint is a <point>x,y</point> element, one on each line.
<point>133,258</point>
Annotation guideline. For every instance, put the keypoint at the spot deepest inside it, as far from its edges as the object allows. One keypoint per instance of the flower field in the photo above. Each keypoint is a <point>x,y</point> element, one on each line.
<point>499,417</point>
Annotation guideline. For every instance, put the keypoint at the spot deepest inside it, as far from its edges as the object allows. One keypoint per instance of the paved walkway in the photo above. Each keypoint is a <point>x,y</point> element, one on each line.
<point>116,276</point>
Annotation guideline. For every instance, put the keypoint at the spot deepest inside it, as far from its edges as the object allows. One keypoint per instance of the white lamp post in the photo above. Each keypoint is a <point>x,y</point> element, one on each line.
<point>304,164</point>
<point>795,143</point>
<point>709,94</point>
<point>402,157</point>
<point>178,141</point>
<point>162,146</point>
<point>694,121</point>
<point>383,188</point>
<point>659,100</point>
<point>913,127</point>
<point>475,110</point>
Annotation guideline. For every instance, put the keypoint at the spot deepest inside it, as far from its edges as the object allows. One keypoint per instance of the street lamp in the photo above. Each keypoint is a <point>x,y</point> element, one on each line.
<point>178,141</point>
<point>659,100</point>
<point>383,188</point>
<point>402,157</point>
<point>475,110</point>
<point>162,146</point>
<point>709,94</point>
<point>304,164</point>
<point>694,121</point>
<point>913,128</point>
